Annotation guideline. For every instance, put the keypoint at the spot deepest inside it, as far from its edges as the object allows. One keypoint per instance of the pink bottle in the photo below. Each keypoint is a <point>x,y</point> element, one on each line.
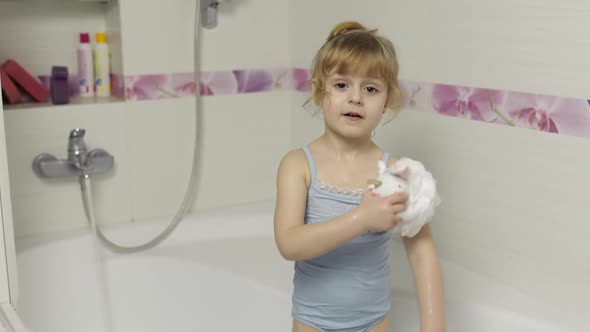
<point>85,67</point>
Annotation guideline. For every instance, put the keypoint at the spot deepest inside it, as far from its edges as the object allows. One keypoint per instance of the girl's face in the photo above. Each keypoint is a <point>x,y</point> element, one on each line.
<point>354,105</point>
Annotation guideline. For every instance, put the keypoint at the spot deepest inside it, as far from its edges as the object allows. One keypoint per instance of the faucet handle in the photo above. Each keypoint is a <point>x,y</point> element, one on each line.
<point>77,133</point>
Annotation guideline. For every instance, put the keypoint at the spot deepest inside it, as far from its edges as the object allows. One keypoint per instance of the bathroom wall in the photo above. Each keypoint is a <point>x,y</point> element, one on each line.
<point>515,203</point>
<point>152,140</point>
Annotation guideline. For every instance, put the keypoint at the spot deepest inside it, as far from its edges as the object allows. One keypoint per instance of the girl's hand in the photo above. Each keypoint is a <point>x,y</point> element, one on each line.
<point>378,213</point>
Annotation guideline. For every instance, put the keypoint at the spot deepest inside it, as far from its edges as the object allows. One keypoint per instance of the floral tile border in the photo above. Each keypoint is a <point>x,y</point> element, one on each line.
<point>212,83</point>
<point>553,114</point>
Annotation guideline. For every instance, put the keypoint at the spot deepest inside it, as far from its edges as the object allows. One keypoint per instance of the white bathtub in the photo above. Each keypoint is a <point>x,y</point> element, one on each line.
<point>220,272</point>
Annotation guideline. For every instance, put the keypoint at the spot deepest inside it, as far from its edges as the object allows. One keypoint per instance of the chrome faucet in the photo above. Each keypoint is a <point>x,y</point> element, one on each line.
<point>77,151</point>
<point>80,162</point>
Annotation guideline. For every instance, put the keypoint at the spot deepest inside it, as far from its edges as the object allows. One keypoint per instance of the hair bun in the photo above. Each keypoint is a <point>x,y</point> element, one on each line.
<point>344,27</point>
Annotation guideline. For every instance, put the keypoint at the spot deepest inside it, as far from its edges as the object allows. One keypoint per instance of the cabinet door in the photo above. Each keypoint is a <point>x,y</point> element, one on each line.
<point>7,251</point>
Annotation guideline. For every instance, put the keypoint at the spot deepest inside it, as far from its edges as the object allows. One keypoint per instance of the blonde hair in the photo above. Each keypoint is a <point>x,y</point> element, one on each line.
<point>353,49</point>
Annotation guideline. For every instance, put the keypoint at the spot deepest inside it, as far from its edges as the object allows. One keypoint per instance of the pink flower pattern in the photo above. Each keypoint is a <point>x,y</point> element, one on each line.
<point>218,83</point>
<point>526,110</point>
<point>253,80</point>
<point>210,83</point>
<point>118,86</point>
<point>412,93</point>
<point>465,102</point>
<point>547,113</point>
<point>183,84</point>
<point>301,80</point>
<point>144,87</point>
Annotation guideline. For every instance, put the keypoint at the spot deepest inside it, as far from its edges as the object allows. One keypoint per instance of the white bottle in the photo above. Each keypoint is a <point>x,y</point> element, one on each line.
<point>85,67</point>
<point>102,66</point>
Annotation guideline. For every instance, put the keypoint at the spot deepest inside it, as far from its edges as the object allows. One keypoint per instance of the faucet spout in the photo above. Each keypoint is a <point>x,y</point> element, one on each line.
<point>77,151</point>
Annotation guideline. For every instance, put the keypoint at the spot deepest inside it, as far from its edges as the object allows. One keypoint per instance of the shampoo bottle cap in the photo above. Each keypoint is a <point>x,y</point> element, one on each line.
<point>84,38</point>
<point>100,38</point>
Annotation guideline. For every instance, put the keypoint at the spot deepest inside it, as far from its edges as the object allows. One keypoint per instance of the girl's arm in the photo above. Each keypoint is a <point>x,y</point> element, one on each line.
<point>299,241</point>
<point>421,251</point>
<point>296,240</point>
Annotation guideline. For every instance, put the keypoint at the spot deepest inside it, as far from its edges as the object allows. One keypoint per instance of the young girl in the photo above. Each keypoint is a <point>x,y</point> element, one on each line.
<point>336,231</point>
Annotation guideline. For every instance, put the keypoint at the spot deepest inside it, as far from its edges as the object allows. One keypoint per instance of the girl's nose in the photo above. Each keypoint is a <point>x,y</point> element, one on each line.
<point>355,98</point>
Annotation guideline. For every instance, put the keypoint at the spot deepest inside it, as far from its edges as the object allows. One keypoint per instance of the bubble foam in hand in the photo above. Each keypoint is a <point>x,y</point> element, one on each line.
<point>410,176</point>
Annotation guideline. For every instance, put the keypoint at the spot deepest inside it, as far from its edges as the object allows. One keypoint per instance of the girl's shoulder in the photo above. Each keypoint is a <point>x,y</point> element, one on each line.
<point>294,163</point>
<point>295,156</point>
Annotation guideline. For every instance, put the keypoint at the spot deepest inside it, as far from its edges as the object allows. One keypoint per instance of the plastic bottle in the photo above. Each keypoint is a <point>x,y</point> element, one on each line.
<point>85,70</point>
<point>102,72</point>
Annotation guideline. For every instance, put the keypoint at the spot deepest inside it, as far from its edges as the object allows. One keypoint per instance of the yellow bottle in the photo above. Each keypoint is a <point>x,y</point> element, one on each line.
<point>102,66</point>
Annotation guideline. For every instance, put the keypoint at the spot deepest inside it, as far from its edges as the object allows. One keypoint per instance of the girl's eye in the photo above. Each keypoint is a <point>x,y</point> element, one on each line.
<point>340,85</point>
<point>372,89</point>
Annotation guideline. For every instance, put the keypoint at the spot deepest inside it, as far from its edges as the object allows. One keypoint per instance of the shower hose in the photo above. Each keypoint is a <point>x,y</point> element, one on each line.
<point>85,182</point>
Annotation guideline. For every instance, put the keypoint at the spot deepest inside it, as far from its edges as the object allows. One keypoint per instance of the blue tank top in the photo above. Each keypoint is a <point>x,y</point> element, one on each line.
<point>349,286</point>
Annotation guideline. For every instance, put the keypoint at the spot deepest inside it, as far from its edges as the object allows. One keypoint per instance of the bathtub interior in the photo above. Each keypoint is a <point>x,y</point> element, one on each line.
<point>221,272</point>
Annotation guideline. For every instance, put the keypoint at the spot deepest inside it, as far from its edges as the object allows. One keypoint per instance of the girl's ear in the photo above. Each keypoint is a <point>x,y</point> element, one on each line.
<point>387,102</point>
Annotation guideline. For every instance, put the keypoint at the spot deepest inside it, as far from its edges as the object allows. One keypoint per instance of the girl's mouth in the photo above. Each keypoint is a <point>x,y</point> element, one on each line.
<point>353,115</point>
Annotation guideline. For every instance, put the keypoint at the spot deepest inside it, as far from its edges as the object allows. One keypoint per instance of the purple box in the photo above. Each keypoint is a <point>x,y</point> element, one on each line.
<point>58,83</point>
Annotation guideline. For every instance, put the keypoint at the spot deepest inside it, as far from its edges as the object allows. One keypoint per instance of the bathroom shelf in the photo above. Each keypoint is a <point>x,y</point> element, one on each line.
<point>73,101</point>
